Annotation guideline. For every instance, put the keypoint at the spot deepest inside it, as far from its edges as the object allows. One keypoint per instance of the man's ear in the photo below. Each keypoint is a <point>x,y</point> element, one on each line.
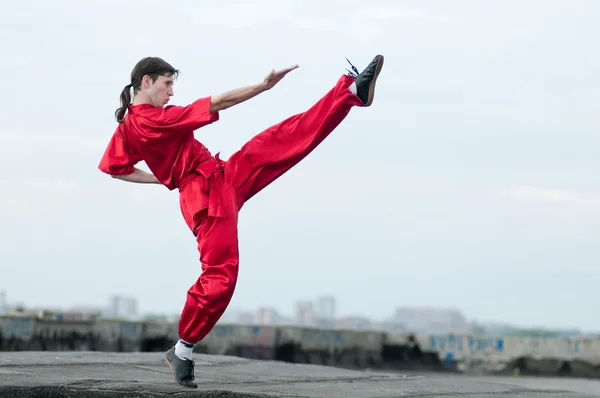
<point>146,81</point>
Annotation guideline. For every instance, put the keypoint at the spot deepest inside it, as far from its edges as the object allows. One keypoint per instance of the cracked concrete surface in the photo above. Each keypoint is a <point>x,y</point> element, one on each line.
<point>95,374</point>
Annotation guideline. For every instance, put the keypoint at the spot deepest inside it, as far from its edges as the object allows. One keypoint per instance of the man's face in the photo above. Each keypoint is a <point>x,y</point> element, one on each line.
<point>160,91</point>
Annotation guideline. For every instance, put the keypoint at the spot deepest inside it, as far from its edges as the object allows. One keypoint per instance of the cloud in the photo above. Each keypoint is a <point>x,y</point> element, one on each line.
<point>566,198</point>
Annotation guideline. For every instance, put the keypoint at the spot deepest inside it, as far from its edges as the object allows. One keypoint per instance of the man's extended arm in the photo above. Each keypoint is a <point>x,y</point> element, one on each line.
<point>233,97</point>
<point>138,176</point>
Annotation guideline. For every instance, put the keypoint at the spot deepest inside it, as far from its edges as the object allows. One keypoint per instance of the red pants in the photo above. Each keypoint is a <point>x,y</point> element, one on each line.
<point>258,163</point>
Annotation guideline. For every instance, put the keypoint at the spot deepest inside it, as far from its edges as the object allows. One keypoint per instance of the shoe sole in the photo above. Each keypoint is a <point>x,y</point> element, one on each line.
<point>372,85</point>
<point>173,373</point>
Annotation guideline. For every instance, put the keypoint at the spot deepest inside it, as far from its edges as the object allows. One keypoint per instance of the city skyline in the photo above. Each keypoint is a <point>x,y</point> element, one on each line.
<point>401,318</point>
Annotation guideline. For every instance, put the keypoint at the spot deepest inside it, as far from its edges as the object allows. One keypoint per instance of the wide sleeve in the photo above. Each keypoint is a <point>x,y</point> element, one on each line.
<point>118,158</point>
<point>183,118</point>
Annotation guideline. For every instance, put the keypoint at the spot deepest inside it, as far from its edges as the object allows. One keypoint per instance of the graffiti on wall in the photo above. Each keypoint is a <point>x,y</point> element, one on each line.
<point>322,337</point>
<point>465,344</point>
<point>551,346</point>
<point>18,328</point>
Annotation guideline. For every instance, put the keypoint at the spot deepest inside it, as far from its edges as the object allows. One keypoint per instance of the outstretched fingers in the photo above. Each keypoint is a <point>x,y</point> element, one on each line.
<point>284,71</point>
<point>275,76</point>
<point>288,69</point>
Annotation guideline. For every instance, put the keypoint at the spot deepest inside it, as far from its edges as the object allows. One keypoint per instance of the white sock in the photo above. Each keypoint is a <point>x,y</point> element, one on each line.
<point>352,88</point>
<point>184,350</point>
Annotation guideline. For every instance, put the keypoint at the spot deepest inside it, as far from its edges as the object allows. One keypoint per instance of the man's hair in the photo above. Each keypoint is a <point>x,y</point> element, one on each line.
<point>151,66</point>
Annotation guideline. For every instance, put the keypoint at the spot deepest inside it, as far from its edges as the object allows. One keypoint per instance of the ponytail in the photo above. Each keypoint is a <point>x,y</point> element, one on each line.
<point>125,101</point>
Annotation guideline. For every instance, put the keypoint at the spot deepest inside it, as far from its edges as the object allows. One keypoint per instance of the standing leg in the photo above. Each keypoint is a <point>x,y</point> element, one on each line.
<point>271,153</point>
<point>208,298</point>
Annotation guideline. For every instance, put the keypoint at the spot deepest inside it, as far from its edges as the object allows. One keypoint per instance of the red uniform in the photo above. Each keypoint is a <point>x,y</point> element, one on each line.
<point>212,191</point>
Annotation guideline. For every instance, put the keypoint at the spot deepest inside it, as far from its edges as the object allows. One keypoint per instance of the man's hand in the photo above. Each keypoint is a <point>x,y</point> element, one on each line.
<point>275,76</point>
<point>237,96</point>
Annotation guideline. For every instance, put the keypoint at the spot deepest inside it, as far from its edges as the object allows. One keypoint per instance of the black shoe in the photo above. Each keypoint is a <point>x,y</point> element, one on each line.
<point>365,81</point>
<point>182,369</point>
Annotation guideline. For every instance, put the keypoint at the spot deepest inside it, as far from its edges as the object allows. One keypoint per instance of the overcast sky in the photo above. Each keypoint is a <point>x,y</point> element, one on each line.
<point>472,182</point>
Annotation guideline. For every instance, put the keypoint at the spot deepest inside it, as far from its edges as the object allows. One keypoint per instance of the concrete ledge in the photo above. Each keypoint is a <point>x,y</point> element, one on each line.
<point>351,349</point>
<point>94,374</point>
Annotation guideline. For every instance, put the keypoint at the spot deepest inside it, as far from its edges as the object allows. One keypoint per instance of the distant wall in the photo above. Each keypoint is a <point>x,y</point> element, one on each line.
<point>335,347</point>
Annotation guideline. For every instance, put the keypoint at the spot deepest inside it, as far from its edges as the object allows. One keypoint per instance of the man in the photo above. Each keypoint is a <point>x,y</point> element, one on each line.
<point>212,191</point>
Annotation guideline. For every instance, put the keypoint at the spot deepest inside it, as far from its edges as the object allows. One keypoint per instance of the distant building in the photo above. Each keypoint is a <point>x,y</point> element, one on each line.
<point>3,303</point>
<point>7,308</point>
<point>326,308</point>
<point>245,317</point>
<point>237,315</point>
<point>266,316</point>
<point>423,319</point>
<point>392,325</point>
<point>354,323</point>
<point>270,316</point>
<point>122,307</point>
<point>305,313</point>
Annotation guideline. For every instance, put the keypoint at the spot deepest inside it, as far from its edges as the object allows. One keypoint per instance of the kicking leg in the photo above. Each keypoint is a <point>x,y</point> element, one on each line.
<point>271,153</point>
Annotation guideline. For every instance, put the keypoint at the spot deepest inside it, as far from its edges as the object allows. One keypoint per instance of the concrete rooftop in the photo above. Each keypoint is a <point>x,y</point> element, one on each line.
<point>95,374</point>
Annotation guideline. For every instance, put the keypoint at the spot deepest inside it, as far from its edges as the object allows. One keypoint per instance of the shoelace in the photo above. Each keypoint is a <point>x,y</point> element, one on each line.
<point>190,365</point>
<point>354,72</point>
